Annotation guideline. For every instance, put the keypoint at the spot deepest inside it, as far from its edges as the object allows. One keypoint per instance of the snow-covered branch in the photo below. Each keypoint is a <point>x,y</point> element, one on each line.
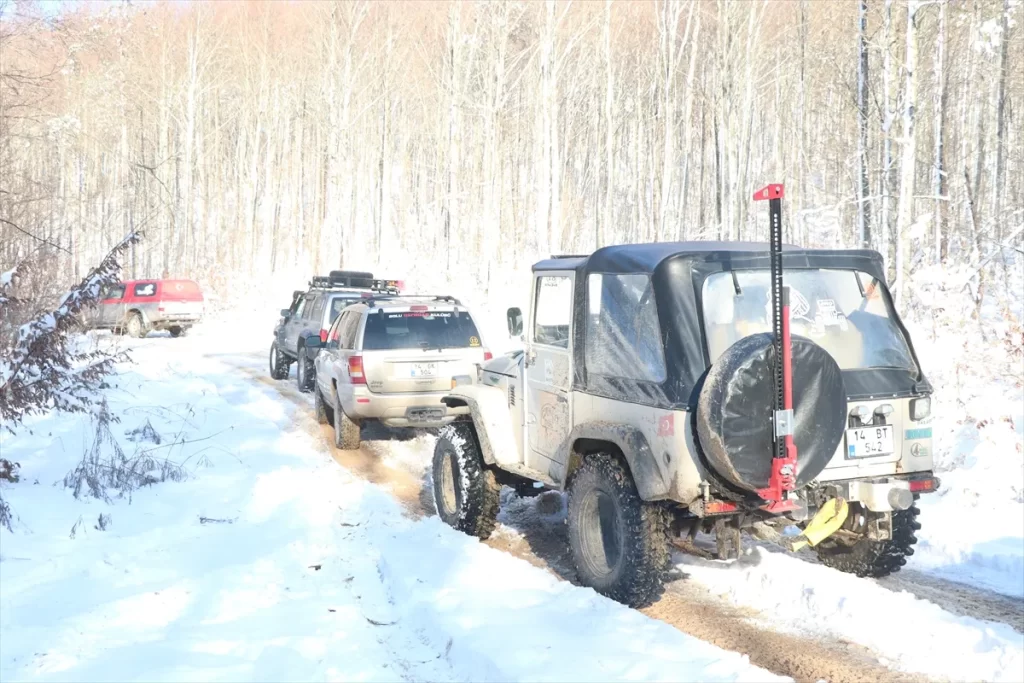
<point>43,368</point>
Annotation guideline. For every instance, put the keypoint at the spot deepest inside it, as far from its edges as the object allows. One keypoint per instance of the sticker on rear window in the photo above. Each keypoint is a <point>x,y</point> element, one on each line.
<point>473,341</point>
<point>419,314</point>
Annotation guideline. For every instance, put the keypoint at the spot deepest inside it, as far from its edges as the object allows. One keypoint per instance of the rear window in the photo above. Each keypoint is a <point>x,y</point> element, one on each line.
<point>144,289</point>
<point>340,303</point>
<point>420,330</point>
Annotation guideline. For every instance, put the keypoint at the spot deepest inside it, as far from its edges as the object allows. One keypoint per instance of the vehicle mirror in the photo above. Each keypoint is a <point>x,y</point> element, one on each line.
<point>286,312</point>
<point>313,342</point>
<point>515,321</point>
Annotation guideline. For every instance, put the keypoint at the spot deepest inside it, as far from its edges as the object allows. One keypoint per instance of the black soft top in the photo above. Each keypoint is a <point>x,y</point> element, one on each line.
<point>678,271</point>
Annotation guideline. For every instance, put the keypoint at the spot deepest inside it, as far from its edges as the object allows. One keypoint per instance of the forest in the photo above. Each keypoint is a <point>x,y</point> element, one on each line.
<point>255,137</point>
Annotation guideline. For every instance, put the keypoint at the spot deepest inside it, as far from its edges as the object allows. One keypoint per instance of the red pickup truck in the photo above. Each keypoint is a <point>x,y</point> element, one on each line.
<point>138,307</point>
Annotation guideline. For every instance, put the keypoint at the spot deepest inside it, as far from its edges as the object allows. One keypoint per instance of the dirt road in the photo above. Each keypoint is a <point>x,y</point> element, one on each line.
<point>534,530</point>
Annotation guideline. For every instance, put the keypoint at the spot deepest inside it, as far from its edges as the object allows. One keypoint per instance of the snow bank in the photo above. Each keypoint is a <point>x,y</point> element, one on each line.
<point>973,528</point>
<point>907,633</point>
<point>271,562</point>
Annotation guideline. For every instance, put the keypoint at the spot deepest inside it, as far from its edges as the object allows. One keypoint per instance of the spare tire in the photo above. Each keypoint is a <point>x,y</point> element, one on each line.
<point>734,412</point>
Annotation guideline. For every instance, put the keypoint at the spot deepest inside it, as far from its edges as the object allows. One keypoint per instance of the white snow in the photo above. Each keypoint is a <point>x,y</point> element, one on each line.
<point>905,632</point>
<point>271,562</point>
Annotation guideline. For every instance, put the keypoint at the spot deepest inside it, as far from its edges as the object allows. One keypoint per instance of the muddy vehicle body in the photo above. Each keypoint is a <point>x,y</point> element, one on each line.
<point>138,307</point>
<point>645,391</point>
<point>391,360</point>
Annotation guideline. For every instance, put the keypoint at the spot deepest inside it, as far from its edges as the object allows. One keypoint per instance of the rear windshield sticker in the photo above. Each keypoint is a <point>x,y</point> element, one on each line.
<point>419,314</point>
<point>473,341</point>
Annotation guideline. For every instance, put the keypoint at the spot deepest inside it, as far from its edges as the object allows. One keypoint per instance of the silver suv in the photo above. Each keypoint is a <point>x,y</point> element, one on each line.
<point>392,359</point>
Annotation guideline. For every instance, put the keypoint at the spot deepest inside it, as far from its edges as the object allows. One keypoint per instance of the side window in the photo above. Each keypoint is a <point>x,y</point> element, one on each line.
<point>144,289</point>
<point>350,329</point>
<point>552,311</point>
<point>112,292</point>
<point>332,335</point>
<point>307,307</point>
<point>623,334</point>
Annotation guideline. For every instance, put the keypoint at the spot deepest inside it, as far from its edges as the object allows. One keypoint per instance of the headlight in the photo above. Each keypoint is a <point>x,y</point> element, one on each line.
<point>920,408</point>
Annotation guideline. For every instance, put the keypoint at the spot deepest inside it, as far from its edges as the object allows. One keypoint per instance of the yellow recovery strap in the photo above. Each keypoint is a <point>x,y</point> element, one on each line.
<point>826,521</point>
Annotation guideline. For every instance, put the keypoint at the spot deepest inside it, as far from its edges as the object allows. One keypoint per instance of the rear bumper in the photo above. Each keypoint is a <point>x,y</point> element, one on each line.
<point>402,410</point>
<point>886,494</point>
<point>179,320</point>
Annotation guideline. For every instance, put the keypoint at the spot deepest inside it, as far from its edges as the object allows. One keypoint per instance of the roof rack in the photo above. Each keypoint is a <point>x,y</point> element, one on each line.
<point>558,256</point>
<point>354,280</point>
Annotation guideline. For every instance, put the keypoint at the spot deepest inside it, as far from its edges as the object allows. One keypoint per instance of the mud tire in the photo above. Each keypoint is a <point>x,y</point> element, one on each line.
<point>466,493</point>
<point>177,331</point>
<point>319,407</point>
<point>876,559</point>
<point>347,435</point>
<point>279,363</point>
<point>135,327</point>
<point>305,373</point>
<point>637,536</point>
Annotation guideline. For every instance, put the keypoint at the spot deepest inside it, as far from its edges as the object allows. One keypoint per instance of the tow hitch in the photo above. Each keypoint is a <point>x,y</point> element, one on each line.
<point>829,519</point>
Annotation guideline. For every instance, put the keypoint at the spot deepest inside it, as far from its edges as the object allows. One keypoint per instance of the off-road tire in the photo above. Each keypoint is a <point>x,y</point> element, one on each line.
<point>875,558</point>
<point>176,331</point>
<point>304,372</point>
<point>635,575</point>
<point>466,492</point>
<point>347,435</point>
<point>279,363</point>
<point>319,407</point>
<point>135,327</point>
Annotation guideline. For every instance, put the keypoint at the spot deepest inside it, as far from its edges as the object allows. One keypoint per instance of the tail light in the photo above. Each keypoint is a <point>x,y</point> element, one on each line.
<point>159,309</point>
<point>924,485</point>
<point>355,370</point>
<point>419,309</point>
<point>488,355</point>
<point>323,336</point>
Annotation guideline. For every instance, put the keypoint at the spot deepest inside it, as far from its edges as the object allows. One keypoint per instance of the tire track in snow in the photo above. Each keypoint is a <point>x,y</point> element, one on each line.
<point>685,605</point>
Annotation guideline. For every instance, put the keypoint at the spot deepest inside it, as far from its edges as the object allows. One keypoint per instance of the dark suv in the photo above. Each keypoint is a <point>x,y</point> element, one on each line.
<point>311,314</point>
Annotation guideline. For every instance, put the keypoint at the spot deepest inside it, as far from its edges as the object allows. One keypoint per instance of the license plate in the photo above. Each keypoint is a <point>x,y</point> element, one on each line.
<point>420,369</point>
<point>867,442</point>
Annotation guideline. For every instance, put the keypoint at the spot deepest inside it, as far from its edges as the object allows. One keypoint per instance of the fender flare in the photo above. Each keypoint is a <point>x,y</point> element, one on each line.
<point>587,437</point>
<point>494,434</point>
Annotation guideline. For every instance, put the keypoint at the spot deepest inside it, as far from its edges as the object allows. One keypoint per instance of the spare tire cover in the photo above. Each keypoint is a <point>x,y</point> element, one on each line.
<point>734,412</point>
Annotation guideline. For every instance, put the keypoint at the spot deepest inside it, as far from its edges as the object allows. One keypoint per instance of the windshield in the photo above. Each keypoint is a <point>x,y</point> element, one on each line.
<point>419,330</point>
<point>843,311</point>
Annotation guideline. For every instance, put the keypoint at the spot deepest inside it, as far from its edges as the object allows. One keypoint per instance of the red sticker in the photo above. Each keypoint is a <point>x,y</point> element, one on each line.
<point>667,425</point>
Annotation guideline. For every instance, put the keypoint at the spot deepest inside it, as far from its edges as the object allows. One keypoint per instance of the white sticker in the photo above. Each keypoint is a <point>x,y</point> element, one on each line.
<point>549,371</point>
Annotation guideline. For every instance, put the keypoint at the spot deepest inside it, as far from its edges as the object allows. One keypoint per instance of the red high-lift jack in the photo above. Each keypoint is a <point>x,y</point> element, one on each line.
<point>783,474</point>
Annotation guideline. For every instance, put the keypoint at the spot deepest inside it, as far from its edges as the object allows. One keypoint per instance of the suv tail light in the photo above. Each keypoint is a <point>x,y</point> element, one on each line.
<point>488,355</point>
<point>355,370</point>
<point>323,336</point>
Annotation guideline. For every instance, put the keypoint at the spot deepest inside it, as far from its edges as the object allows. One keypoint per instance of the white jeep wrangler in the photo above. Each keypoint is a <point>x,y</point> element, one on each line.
<point>646,392</point>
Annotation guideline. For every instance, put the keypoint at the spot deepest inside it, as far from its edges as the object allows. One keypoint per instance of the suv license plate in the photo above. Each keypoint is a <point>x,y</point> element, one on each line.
<point>421,369</point>
<point>868,442</point>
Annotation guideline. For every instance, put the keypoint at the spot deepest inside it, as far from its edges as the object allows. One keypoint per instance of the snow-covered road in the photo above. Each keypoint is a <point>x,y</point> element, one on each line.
<point>272,562</point>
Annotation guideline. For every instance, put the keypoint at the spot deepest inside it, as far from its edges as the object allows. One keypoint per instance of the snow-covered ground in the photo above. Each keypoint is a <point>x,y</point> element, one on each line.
<point>270,562</point>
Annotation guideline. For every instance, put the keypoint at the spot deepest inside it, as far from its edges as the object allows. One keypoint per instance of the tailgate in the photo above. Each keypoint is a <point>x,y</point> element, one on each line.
<point>182,309</point>
<point>411,371</point>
